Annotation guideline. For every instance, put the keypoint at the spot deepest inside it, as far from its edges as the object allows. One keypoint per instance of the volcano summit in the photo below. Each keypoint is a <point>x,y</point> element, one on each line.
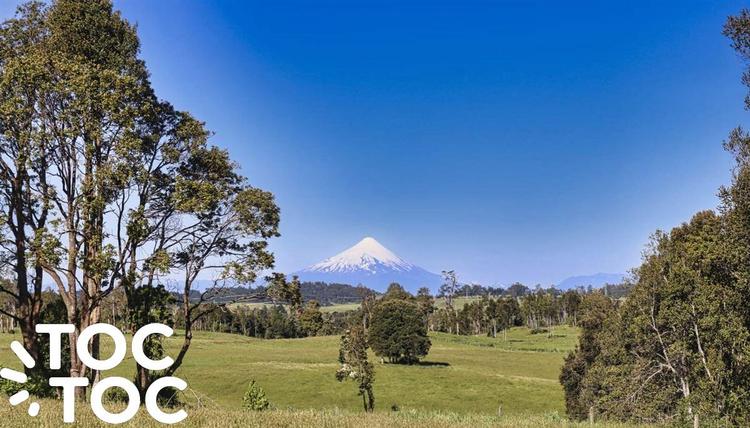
<point>372,265</point>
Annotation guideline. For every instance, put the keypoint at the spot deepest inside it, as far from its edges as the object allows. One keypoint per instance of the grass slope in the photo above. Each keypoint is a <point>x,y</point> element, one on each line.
<point>461,376</point>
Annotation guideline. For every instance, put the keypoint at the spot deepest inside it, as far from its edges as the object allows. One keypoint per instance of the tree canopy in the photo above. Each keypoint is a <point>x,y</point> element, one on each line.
<point>398,331</point>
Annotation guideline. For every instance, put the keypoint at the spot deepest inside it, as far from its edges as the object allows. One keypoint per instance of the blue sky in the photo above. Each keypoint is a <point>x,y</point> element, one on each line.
<point>510,141</point>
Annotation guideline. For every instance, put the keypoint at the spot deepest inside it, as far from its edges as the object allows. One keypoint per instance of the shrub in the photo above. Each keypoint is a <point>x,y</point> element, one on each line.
<point>115,395</point>
<point>167,397</point>
<point>255,398</point>
<point>36,385</point>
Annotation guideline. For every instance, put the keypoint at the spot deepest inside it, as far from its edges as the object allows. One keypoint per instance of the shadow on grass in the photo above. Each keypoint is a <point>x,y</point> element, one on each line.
<point>432,364</point>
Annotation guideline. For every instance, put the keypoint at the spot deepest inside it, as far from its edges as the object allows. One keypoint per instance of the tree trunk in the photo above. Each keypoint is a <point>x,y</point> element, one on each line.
<point>370,404</point>
<point>142,381</point>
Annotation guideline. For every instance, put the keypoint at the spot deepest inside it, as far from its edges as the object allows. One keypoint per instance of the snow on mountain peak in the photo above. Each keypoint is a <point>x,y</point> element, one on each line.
<point>370,264</point>
<point>367,255</point>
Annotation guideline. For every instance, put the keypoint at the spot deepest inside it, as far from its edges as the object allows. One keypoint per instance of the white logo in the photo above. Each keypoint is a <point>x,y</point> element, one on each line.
<point>68,384</point>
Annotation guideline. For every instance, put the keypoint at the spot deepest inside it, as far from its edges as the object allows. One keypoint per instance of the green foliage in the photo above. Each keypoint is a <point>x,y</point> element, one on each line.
<point>167,397</point>
<point>355,365</point>
<point>280,289</point>
<point>449,286</point>
<point>480,315</point>
<point>53,312</point>
<point>9,387</point>
<point>90,144</point>
<point>147,305</point>
<point>262,321</point>
<point>595,308</point>
<point>397,331</point>
<point>115,395</point>
<point>255,398</point>
<point>678,349</point>
<point>425,302</point>
<point>37,385</point>
<point>396,291</point>
<point>311,319</point>
<point>653,360</point>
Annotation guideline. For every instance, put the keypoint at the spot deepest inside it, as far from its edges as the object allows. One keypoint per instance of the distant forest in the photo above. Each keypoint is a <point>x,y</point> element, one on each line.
<point>332,294</point>
<point>325,294</point>
<point>517,289</point>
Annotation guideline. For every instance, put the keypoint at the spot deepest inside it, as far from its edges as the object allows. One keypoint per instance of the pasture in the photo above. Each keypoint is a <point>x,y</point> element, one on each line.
<point>465,376</point>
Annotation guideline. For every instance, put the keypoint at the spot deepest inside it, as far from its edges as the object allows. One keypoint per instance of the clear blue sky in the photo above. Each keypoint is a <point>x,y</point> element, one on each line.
<point>511,141</point>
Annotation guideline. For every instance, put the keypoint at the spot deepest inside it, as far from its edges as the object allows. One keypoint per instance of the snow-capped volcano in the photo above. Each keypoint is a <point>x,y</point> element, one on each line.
<point>367,255</point>
<point>370,264</point>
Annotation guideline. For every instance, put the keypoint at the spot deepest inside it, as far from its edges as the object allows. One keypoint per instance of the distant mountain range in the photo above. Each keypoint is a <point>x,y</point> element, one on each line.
<point>371,264</point>
<point>596,280</point>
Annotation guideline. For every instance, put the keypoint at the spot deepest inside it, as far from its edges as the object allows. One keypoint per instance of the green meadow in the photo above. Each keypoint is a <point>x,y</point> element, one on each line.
<point>461,374</point>
<point>465,381</point>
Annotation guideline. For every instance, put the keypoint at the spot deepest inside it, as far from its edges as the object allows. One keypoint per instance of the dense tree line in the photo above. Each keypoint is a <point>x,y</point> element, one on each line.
<point>488,315</point>
<point>323,293</point>
<point>267,321</point>
<point>333,293</point>
<point>678,348</point>
<point>518,289</point>
<point>272,321</point>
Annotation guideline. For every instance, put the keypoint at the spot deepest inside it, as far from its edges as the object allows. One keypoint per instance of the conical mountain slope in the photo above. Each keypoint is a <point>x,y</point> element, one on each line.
<point>371,264</point>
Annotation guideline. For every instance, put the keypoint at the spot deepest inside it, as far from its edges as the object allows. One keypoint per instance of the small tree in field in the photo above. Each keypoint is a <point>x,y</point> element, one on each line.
<point>255,398</point>
<point>355,366</point>
<point>398,332</point>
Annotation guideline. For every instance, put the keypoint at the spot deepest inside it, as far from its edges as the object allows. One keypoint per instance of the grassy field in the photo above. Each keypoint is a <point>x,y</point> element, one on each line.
<point>340,307</point>
<point>463,376</point>
<point>458,301</point>
<point>51,416</point>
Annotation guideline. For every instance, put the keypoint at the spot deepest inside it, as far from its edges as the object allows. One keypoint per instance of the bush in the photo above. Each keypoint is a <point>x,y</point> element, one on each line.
<point>115,395</point>
<point>8,387</point>
<point>255,398</point>
<point>167,397</point>
<point>37,386</point>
